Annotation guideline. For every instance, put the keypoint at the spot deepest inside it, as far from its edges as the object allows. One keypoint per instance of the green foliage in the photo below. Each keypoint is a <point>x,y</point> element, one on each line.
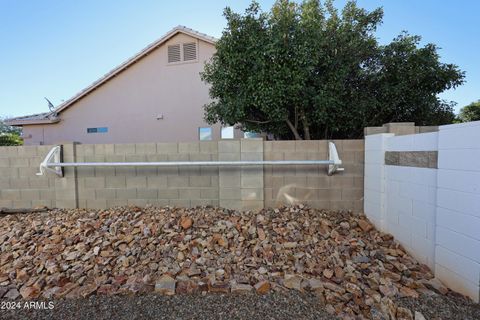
<point>470,112</point>
<point>9,136</point>
<point>10,139</point>
<point>306,71</point>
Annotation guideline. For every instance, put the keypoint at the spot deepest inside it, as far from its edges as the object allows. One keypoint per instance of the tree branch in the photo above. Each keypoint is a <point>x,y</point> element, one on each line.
<point>256,121</point>
<point>294,130</point>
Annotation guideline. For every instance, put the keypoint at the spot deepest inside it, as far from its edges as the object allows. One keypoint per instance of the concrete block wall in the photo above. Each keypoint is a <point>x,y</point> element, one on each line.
<point>457,253</point>
<point>247,187</point>
<point>311,184</point>
<point>411,197</point>
<point>19,186</point>
<point>433,212</point>
<point>104,187</point>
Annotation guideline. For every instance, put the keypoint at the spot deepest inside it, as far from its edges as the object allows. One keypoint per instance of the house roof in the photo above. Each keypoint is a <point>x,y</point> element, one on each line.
<point>51,117</point>
<point>39,118</point>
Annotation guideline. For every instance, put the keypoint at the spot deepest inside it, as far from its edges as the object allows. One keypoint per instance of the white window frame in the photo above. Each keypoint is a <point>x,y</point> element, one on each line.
<point>225,129</point>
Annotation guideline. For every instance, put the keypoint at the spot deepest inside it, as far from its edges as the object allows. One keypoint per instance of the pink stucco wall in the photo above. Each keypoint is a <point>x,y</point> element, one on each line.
<point>130,103</point>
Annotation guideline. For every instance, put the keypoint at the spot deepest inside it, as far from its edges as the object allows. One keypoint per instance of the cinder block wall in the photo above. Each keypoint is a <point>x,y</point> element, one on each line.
<point>431,207</point>
<point>19,186</point>
<point>311,184</point>
<point>103,187</point>
<point>248,187</point>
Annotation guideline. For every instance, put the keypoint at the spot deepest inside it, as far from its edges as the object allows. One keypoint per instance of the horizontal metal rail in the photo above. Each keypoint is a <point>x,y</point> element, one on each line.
<point>53,162</point>
<point>189,163</point>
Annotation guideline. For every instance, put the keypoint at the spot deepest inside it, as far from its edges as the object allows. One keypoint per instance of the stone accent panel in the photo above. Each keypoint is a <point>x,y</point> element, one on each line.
<point>419,159</point>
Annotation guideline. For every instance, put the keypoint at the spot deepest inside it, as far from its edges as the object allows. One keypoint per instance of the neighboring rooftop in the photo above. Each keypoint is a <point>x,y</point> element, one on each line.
<point>46,117</point>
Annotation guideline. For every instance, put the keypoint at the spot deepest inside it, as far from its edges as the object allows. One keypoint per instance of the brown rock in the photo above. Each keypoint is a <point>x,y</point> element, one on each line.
<point>219,287</point>
<point>354,289</point>
<point>364,225</point>
<point>327,273</point>
<point>165,285</point>
<point>29,292</point>
<point>404,314</point>
<point>333,287</point>
<point>186,287</point>
<point>262,287</point>
<point>388,308</point>
<point>261,234</point>
<point>186,223</point>
<point>339,273</point>
<point>436,285</point>
<point>22,276</point>
<point>222,242</point>
<point>64,290</point>
<point>72,255</point>
<point>106,289</point>
<point>292,281</point>
<point>408,292</point>
<point>315,285</point>
<point>290,245</point>
<point>240,288</point>
<point>87,290</point>
<point>388,290</point>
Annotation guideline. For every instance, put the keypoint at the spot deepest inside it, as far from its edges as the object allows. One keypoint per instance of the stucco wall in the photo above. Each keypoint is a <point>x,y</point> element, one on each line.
<point>130,103</point>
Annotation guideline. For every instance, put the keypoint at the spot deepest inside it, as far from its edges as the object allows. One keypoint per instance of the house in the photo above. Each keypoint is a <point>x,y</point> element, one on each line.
<point>155,96</point>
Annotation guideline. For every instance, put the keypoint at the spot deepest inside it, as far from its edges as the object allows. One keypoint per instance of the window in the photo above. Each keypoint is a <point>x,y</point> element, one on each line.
<point>205,133</point>
<point>227,133</point>
<point>251,135</point>
<point>182,52</point>
<point>97,130</point>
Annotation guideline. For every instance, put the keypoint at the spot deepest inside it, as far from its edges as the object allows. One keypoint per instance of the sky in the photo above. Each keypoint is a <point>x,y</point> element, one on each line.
<point>54,49</point>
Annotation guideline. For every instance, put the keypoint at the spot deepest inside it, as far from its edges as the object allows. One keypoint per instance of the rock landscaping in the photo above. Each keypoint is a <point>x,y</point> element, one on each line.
<point>354,270</point>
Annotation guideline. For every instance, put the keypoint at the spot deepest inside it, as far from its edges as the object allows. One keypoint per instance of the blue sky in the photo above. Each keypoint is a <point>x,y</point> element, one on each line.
<point>55,49</point>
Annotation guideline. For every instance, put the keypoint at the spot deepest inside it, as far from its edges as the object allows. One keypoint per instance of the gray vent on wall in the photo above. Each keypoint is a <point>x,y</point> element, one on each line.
<point>189,51</point>
<point>174,53</point>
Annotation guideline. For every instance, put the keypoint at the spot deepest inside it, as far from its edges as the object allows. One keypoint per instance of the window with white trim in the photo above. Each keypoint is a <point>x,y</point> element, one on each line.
<point>227,133</point>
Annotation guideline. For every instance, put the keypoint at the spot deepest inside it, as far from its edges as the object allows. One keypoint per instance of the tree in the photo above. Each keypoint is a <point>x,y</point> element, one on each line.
<point>9,136</point>
<point>304,71</point>
<point>470,112</point>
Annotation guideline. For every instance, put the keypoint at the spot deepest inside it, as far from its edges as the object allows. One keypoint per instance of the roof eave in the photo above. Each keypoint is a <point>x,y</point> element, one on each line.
<point>20,123</point>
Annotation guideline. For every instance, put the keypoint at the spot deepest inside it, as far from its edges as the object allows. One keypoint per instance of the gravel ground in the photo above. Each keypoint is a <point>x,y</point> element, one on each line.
<point>290,306</point>
<point>452,306</point>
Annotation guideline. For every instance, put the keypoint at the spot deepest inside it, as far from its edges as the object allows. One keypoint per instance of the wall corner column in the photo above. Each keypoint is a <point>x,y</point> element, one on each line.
<point>374,181</point>
<point>66,190</point>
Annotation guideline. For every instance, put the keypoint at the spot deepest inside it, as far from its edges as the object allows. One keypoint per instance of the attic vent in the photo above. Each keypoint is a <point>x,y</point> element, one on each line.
<point>189,51</point>
<point>174,53</point>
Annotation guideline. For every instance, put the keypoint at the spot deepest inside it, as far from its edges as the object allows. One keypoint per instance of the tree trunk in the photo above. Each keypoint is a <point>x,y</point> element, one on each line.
<point>294,130</point>
<point>306,129</point>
